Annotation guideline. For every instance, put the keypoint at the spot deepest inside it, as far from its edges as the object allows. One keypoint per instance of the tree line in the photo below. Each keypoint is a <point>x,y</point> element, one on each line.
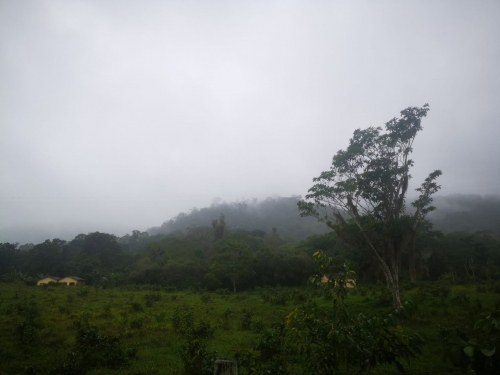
<point>215,257</point>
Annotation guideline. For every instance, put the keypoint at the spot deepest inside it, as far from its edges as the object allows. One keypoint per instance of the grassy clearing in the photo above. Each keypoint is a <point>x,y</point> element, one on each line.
<point>49,316</point>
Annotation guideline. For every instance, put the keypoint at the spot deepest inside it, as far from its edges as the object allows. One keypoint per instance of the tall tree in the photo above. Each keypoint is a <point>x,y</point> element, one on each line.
<point>219,227</point>
<point>232,260</point>
<point>366,187</point>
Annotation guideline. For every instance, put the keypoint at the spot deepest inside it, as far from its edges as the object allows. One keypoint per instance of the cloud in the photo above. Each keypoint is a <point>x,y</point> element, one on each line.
<point>122,114</point>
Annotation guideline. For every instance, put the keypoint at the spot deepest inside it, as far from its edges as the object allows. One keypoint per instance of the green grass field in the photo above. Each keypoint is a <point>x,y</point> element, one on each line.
<point>144,318</point>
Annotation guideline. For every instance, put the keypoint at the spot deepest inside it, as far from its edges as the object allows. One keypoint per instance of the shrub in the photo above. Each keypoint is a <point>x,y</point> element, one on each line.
<point>461,299</point>
<point>475,349</point>
<point>160,317</point>
<point>151,298</point>
<point>195,357</point>
<point>223,292</point>
<point>246,320</point>
<point>205,298</point>
<point>82,292</point>
<point>182,319</point>
<point>92,350</point>
<point>257,326</point>
<point>63,310</point>
<point>136,307</point>
<point>26,332</point>
<point>137,323</point>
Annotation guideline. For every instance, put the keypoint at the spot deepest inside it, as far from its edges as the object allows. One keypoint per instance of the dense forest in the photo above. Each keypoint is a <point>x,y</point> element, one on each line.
<point>243,245</point>
<point>279,213</point>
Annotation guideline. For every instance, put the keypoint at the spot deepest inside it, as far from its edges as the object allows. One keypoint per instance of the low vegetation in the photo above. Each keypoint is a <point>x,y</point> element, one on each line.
<point>159,330</point>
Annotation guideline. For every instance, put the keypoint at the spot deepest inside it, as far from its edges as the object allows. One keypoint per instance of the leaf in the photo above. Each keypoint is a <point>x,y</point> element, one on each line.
<point>420,336</point>
<point>469,351</point>
<point>488,353</point>
<point>473,342</point>
<point>457,341</point>
<point>487,326</point>
<point>400,367</point>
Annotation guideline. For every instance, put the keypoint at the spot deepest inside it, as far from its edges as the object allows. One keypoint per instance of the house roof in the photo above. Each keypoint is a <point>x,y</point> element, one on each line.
<point>51,277</point>
<point>75,278</point>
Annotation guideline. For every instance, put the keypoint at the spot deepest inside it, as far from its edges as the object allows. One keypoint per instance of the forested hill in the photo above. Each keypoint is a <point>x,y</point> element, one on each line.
<point>466,213</point>
<point>280,213</point>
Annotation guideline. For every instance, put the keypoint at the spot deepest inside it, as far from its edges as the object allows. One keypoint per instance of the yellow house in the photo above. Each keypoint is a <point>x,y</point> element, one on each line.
<point>48,280</point>
<point>72,280</point>
<point>349,283</point>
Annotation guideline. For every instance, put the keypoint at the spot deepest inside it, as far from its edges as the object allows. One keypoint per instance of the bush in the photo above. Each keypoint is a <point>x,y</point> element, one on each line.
<point>160,317</point>
<point>474,349</point>
<point>205,298</point>
<point>82,292</point>
<point>195,357</point>
<point>257,326</point>
<point>26,329</point>
<point>461,299</point>
<point>182,319</point>
<point>136,307</point>
<point>137,323</point>
<point>151,298</point>
<point>246,320</point>
<point>92,350</point>
<point>26,332</point>
<point>223,320</point>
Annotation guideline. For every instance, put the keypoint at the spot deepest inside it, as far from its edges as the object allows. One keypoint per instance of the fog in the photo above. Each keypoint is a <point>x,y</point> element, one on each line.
<point>118,115</point>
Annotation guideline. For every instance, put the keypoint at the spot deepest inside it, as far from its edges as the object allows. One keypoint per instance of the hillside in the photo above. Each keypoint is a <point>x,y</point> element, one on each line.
<point>464,213</point>
<point>280,213</point>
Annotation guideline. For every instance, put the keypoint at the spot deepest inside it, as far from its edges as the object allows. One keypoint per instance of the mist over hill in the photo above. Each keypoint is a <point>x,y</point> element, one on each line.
<point>454,213</point>
<point>459,212</point>
<point>466,213</point>
<point>280,213</point>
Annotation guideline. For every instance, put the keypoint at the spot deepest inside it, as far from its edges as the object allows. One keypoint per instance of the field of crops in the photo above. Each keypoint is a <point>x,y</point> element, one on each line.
<point>155,330</point>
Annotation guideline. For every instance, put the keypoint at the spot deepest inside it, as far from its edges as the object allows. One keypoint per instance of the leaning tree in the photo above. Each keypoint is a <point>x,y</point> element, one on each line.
<point>365,191</point>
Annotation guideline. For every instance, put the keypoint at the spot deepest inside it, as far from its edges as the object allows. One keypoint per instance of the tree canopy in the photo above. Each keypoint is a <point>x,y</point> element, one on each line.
<point>366,187</point>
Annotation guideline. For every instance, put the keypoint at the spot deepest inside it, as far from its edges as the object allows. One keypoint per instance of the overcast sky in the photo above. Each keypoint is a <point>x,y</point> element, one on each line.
<point>118,115</point>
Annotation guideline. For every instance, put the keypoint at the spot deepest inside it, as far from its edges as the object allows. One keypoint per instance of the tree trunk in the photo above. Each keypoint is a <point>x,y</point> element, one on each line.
<point>391,276</point>
<point>392,279</point>
<point>396,298</point>
<point>411,262</point>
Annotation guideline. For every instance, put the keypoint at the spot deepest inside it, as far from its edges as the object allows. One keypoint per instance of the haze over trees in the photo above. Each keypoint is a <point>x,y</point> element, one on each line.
<point>280,213</point>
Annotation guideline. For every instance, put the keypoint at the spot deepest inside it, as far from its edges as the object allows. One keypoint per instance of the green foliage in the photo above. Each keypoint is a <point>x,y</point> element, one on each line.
<point>233,259</point>
<point>137,323</point>
<point>195,357</point>
<point>273,353</point>
<point>205,298</point>
<point>94,349</point>
<point>136,307</point>
<point>197,360</point>
<point>246,320</point>
<point>151,298</point>
<point>28,325</point>
<point>224,321</point>
<point>275,297</point>
<point>475,349</point>
<point>334,340</point>
<point>362,196</point>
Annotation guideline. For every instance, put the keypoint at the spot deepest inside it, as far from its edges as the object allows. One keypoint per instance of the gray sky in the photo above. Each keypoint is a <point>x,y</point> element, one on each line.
<point>118,115</point>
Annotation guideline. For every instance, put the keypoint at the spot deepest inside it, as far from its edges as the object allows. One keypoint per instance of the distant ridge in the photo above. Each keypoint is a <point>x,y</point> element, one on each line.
<point>466,213</point>
<point>457,212</point>
<point>280,213</point>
